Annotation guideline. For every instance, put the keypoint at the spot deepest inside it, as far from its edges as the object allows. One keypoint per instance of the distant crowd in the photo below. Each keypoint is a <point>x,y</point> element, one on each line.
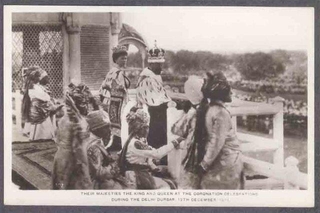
<point>270,87</point>
<point>295,115</point>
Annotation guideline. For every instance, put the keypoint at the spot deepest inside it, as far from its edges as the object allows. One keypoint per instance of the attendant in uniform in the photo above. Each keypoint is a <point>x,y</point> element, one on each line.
<point>150,92</point>
<point>38,108</point>
<point>71,166</point>
<point>104,169</point>
<point>114,91</point>
<point>215,153</point>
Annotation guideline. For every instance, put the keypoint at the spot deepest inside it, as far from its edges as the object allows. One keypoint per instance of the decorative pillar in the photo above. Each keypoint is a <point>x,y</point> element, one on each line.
<point>65,59</point>
<point>143,56</point>
<point>278,131</point>
<point>116,25</point>
<point>73,29</point>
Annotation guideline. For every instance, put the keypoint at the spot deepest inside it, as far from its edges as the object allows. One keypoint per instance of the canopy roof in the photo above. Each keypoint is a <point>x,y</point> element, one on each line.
<point>128,32</point>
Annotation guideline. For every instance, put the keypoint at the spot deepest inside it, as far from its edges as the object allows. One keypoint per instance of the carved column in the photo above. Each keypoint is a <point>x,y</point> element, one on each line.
<point>73,29</point>
<point>116,25</point>
<point>143,56</point>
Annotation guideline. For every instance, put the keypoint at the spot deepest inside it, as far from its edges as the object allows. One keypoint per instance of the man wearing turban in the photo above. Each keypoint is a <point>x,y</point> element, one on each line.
<point>136,156</point>
<point>104,169</point>
<point>214,154</point>
<point>71,167</point>
<point>38,108</point>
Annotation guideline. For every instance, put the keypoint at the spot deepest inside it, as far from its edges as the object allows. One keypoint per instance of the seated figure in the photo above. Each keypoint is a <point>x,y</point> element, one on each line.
<point>136,157</point>
<point>103,166</point>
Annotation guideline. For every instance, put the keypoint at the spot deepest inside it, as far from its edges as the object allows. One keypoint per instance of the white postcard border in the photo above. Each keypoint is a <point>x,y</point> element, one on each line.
<point>277,198</point>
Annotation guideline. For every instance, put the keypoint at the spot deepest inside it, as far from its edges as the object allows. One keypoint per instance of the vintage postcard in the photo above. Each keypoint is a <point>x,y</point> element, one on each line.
<point>159,106</point>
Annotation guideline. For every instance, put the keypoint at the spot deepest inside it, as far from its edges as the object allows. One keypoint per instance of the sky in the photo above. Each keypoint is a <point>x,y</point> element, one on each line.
<point>224,30</point>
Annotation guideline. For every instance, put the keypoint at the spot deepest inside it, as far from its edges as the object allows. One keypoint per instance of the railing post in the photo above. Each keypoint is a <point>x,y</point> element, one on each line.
<point>278,131</point>
<point>291,168</point>
<point>174,157</point>
<point>234,123</point>
<point>18,103</point>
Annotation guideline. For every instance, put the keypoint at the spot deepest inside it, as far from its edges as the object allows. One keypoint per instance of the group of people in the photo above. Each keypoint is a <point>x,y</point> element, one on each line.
<point>271,86</point>
<point>211,156</point>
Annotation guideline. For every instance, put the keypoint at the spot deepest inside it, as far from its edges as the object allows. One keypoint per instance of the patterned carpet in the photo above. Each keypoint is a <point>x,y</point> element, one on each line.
<point>33,161</point>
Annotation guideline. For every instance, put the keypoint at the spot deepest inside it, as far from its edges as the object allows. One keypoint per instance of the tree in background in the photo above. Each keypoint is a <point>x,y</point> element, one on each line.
<point>169,57</point>
<point>258,66</point>
<point>134,60</point>
<point>282,56</point>
<point>297,70</point>
<point>184,61</point>
<point>209,61</point>
<point>251,66</point>
<point>295,62</point>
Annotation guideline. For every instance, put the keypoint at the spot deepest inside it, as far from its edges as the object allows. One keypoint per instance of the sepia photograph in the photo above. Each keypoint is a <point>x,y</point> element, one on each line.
<point>159,106</point>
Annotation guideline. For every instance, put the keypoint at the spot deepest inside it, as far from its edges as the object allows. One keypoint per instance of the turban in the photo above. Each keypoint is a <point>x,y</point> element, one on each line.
<point>97,119</point>
<point>34,74</point>
<point>216,86</point>
<point>79,92</point>
<point>81,96</point>
<point>31,75</point>
<point>42,74</point>
<point>192,89</point>
<point>137,119</point>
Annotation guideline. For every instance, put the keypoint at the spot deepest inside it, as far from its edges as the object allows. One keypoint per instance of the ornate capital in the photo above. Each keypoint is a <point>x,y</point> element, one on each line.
<point>71,21</point>
<point>116,23</point>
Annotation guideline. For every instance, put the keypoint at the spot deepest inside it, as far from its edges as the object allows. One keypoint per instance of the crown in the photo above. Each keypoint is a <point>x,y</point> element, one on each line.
<point>156,54</point>
<point>119,48</point>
